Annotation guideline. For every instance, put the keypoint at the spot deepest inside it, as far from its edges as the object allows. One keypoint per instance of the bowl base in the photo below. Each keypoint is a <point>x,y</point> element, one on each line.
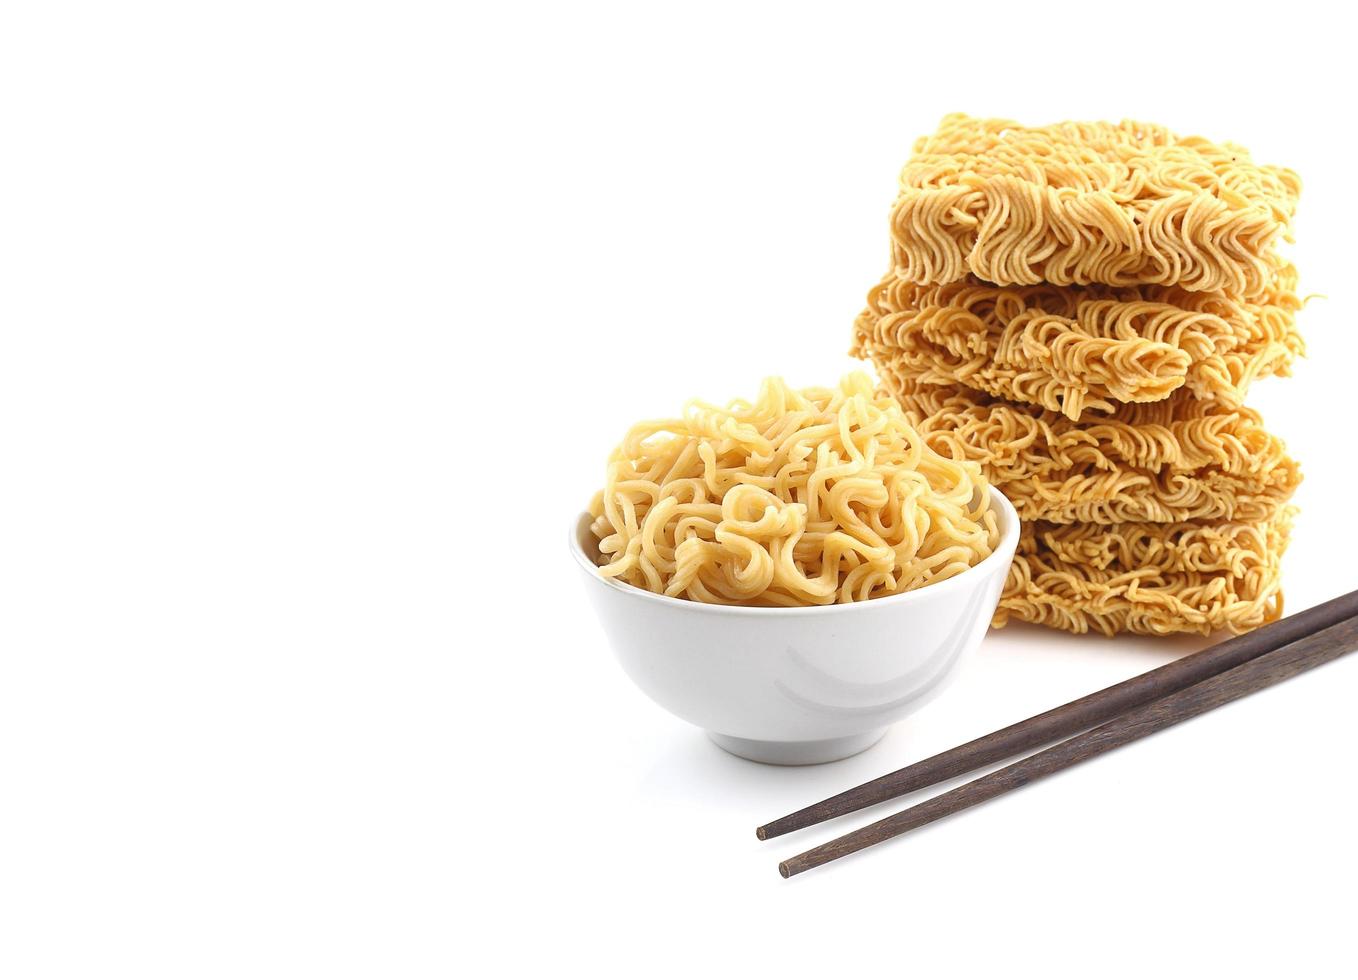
<point>798,753</point>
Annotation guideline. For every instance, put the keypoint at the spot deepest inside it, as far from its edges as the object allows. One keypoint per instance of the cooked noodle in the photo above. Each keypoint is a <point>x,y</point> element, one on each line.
<point>799,498</point>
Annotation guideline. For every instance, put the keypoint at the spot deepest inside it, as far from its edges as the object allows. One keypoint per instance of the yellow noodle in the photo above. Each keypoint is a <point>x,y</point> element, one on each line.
<point>1081,349</point>
<point>1148,578</point>
<point>799,498</point>
<point>1175,460</point>
<point>1079,203</point>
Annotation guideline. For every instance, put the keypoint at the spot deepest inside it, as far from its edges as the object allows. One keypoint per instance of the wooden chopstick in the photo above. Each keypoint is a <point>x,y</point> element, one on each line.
<point>1254,675</point>
<point>1092,709</point>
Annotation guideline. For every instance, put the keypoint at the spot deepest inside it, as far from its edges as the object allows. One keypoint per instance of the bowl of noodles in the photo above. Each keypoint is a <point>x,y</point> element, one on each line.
<point>796,573</point>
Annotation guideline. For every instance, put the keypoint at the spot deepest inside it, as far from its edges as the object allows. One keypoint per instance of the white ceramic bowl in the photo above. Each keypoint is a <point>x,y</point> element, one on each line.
<point>799,685</point>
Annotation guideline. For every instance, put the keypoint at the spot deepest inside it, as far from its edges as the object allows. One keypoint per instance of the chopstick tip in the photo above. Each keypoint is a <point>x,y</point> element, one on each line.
<point>784,870</point>
<point>762,833</point>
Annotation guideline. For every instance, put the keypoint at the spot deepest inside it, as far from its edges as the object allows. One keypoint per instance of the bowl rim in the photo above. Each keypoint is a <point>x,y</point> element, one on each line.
<point>1004,552</point>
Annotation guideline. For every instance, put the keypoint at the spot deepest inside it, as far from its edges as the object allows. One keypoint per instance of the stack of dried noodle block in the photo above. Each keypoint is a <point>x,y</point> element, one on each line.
<point>1081,308</point>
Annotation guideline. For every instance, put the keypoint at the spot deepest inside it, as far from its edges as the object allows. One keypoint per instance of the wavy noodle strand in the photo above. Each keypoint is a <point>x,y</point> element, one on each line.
<point>1080,203</point>
<point>799,498</point>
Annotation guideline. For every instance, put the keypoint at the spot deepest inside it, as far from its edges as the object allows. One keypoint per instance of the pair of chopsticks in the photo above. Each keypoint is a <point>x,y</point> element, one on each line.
<point>1092,725</point>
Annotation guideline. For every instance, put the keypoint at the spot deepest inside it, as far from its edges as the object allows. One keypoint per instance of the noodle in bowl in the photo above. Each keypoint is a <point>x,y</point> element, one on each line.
<point>795,574</point>
<point>799,498</point>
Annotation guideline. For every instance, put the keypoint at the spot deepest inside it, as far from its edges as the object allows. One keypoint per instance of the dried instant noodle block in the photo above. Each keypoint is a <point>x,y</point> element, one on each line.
<point>1147,578</point>
<point>1170,461</point>
<point>1081,349</point>
<point>1078,203</point>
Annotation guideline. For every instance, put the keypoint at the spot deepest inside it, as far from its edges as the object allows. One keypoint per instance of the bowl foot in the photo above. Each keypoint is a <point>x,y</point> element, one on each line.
<point>798,753</point>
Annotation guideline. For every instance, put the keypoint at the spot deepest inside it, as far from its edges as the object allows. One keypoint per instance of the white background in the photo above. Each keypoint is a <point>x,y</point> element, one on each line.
<point>318,324</point>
